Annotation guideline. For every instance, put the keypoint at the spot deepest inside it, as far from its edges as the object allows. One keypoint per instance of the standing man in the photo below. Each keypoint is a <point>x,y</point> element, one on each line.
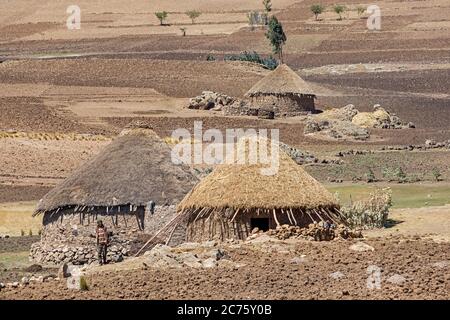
<point>102,242</point>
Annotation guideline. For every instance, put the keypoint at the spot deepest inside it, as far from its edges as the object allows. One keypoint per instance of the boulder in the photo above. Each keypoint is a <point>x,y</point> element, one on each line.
<point>337,275</point>
<point>361,247</point>
<point>209,263</point>
<point>396,279</point>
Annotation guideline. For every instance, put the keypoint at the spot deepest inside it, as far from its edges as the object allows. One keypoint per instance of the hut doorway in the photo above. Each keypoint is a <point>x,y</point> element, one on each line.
<point>260,223</point>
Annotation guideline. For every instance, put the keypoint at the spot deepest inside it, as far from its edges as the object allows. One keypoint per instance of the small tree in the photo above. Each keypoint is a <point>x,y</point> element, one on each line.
<point>370,176</point>
<point>276,36</point>
<point>339,9</point>
<point>360,10</point>
<point>193,14</point>
<point>267,6</point>
<point>436,174</point>
<point>183,31</point>
<point>162,15</point>
<point>400,175</point>
<point>317,9</point>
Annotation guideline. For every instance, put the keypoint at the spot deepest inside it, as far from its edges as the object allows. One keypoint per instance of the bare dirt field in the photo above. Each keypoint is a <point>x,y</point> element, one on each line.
<point>278,275</point>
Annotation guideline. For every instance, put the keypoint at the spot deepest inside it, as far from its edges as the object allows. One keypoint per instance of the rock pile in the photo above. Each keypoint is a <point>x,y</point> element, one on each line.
<point>57,254</point>
<point>192,255</point>
<point>210,100</point>
<point>337,129</point>
<point>314,232</point>
<point>297,155</point>
<point>348,122</point>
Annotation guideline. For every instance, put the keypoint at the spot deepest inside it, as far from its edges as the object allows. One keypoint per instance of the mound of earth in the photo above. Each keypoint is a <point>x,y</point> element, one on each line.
<point>379,118</point>
<point>336,129</point>
<point>349,123</point>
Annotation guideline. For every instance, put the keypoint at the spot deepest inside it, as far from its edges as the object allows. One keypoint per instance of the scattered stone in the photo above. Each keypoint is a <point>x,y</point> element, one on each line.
<point>299,156</point>
<point>299,260</point>
<point>314,232</point>
<point>209,263</point>
<point>441,264</point>
<point>396,279</point>
<point>430,143</point>
<point>25,280</point>
<point>361,247</point>
<point>337,275</point>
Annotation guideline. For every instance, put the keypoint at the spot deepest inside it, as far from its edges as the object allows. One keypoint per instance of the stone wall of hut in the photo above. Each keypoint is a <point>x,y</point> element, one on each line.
<point>70,237</point>
<point>285,105</point>
<point>219,225</point>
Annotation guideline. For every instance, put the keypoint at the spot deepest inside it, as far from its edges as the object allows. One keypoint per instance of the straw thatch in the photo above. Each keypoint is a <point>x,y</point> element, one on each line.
<point>131,171</point>
<point>242,186</point>
<point>225,203</point>
<point>282,81</point>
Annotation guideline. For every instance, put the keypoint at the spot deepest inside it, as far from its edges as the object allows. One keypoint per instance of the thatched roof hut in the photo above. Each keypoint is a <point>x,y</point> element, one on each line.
<point>131,171</point>
<point>132,185</point>
<point>235,198</point>
<point>283,91</point>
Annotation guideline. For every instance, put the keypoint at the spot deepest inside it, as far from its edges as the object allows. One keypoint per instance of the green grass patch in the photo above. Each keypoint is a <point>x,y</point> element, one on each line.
<point>11,260</point>
<point>16,218</point>
<point>403,195</point>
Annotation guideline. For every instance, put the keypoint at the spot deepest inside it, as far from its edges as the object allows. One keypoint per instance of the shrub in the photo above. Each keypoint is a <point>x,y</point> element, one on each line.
<point>339,9</point>
<point>30,233</point>
<point>183,31</point>
<point>269,63</point>
<point>83,284</point>
<point>210,57</point>
<point>267,5</point>
<point>369,213</point>
<point>370,176</point>
<point>317,9</point>
<point>193,14</point>
<point>400,175</point>
<point>436,174</point>
<point>161,16</point>
<point>360,10</point>
<point>22,233</point>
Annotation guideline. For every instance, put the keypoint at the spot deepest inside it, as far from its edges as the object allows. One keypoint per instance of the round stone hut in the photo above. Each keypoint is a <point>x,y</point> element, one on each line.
<point>283,92</point>
<point>132,185</point>
<point>236,198</point>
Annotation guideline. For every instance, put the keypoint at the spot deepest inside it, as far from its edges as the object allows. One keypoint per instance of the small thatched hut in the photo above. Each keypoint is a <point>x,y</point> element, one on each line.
<point>283,92</point>
<point>132,186</point>
<point>236,198</point>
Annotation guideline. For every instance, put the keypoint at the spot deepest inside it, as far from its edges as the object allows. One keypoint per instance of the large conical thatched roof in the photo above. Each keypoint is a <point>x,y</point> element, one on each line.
<point>283,80</point>
<point>243,186</point>
<point>134,169</point>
